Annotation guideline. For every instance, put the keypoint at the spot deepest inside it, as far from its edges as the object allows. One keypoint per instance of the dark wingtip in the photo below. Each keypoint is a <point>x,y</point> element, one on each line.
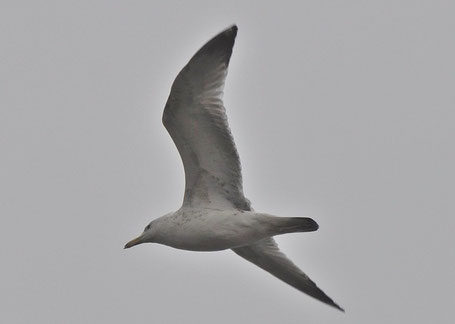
<point>232,29</point>
<point>329,301</point>
<point>338,307</point>
<point>229,34</point>
<point>221,44</point>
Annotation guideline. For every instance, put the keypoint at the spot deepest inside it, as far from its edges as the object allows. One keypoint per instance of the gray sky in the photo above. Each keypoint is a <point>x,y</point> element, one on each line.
<point>341,110</point>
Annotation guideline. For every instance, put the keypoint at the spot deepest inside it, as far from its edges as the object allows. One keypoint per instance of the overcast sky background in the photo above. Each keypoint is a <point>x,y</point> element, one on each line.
<point>341,110</point>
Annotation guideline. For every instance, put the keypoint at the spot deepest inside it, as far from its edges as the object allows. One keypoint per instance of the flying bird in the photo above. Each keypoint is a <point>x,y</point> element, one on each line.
<point>215,215</point>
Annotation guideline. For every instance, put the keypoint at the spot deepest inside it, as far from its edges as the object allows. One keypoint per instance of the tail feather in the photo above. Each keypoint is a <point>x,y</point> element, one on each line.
<point>298,224</point>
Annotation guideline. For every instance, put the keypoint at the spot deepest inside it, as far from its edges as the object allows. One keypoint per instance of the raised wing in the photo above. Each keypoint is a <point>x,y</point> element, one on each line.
<point>196,120</point>
<point>266,255</point>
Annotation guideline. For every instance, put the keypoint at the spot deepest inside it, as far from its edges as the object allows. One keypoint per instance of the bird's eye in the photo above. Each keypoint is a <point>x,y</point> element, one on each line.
<point>147,228</point>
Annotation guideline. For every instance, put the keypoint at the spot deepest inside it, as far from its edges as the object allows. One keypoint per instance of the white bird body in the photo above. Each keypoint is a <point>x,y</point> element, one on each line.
<point>215,230</point>
<point>215,215</point>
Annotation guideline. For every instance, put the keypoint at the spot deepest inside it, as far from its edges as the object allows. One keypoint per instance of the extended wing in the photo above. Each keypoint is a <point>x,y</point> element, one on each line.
<point>266,255</point>
<point>196,120</point>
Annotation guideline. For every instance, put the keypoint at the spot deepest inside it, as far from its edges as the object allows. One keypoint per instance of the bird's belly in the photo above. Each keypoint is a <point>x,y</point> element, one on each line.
<point>212,234</point>
<point>205,241</point>
<point>202,244</point>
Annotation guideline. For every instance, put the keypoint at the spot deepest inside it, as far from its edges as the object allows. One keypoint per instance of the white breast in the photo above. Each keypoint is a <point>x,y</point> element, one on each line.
<point>211,230</point>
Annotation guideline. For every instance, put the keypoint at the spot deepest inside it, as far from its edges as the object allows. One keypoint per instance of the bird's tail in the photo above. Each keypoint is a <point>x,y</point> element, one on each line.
<point>297,224</point>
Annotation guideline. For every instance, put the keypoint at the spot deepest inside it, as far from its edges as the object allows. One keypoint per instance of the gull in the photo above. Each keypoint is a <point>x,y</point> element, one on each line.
<point>215,215</point>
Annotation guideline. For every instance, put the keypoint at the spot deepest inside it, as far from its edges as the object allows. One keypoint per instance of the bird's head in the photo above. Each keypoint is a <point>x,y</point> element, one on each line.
<point>147,236</point>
